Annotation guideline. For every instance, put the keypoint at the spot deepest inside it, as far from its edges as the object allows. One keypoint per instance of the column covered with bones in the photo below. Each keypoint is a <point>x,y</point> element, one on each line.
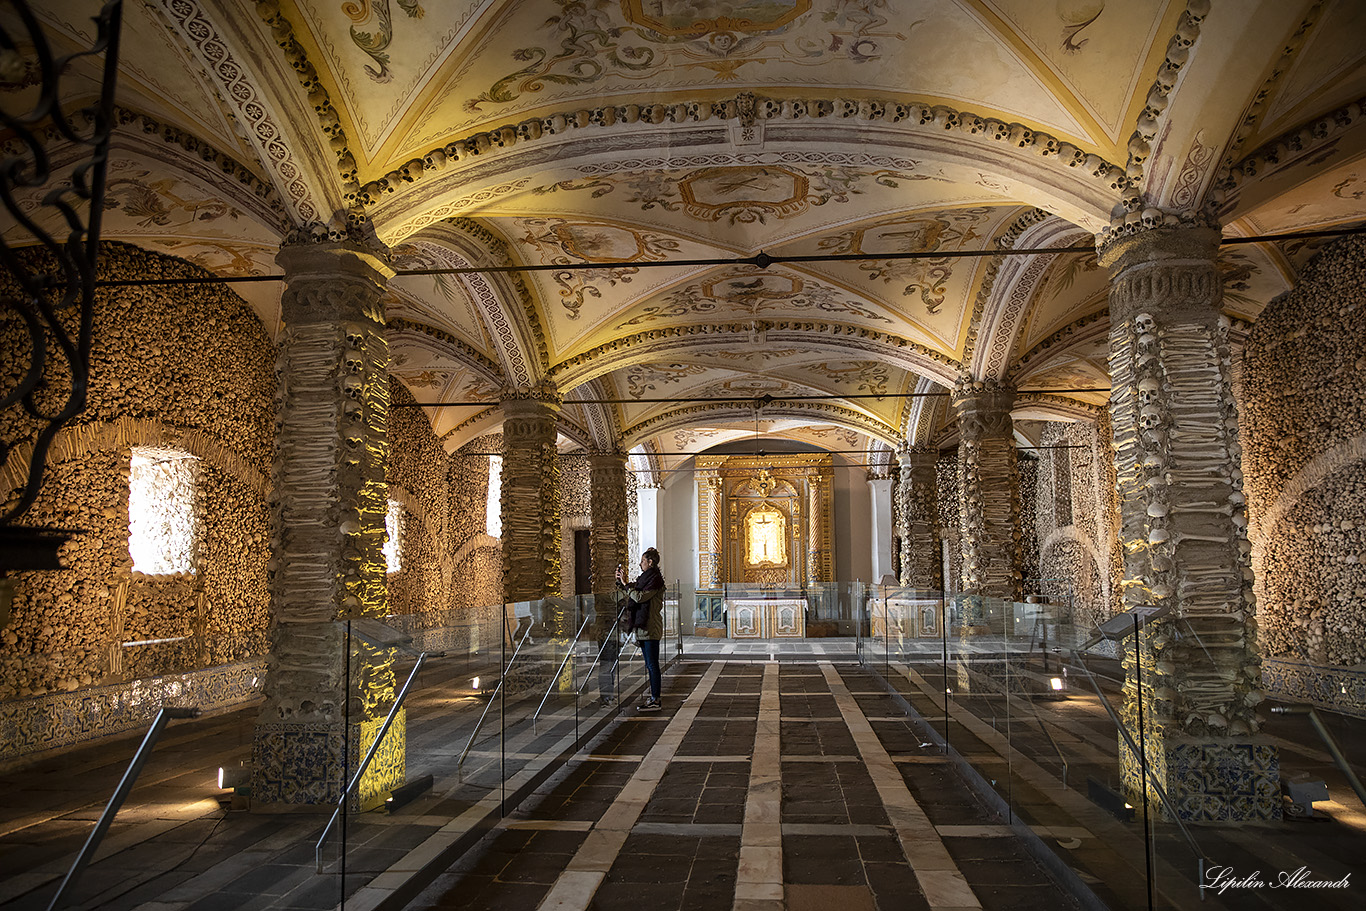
<point>1195,674</point>
<point>989,493</point>
<point>530,499</point>
<point>329,501</point>
<point>916,491</point>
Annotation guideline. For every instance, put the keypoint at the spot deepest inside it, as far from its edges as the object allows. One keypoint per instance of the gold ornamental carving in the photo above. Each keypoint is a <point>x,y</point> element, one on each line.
<point>768,518</point>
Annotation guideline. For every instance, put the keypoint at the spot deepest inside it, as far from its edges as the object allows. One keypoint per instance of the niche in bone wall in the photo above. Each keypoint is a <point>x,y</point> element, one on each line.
<point>1303,422</point>
<point>1072,521</point>
<point>417,477</point>
<point>176,368</point>
<point>946,483</point>
<point>576,511</point>
<point>475,558</point>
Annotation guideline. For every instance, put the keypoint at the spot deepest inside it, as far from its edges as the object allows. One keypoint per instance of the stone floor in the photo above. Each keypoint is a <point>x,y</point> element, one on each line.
<point>761,785</point>
<point>793,782</point>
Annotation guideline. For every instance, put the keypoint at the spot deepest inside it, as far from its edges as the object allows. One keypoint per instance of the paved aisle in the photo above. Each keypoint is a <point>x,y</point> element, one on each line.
<point>759,787</point>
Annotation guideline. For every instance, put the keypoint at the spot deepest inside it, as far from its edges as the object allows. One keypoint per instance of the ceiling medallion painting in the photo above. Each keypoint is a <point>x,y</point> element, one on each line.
<point>750,292</point>
<point>566,243</point>
<point>926,278</point>
<point>637,39</point>
<point>746,194</point>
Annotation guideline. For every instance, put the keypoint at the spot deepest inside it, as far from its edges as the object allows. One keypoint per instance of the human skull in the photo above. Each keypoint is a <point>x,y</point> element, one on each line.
<point>1144,324</point>
<point>1149,418</point>
<point>1148,391</point>
<point>1152,217</point>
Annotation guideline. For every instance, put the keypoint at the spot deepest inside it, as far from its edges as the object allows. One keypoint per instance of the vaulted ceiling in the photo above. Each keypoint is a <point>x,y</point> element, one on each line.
<point>641,136</point>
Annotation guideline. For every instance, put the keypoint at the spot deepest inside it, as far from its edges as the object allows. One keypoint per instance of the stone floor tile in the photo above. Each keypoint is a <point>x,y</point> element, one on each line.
<point>810,897</point>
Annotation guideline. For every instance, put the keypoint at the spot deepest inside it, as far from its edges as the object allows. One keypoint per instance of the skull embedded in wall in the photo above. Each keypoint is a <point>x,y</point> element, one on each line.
<point>1144,324</point>
<point>1148,391</point>
<point>1152,217</point>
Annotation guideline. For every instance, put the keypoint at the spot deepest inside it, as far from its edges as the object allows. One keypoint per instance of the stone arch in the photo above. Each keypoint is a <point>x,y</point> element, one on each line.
<point>1096,607</point>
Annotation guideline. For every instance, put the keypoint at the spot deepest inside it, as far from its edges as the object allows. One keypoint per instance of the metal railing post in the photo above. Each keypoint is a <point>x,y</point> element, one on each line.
<point>92,844</point>
<point>569,653</point>
<point>493,697</point>
<point>365,763</point>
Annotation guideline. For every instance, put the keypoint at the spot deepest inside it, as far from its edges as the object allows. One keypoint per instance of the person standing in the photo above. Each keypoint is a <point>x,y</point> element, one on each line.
<point>645,608</point>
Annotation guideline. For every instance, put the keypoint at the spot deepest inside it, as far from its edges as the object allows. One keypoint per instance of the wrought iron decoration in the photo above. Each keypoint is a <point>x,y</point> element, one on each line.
<point>50,379</point>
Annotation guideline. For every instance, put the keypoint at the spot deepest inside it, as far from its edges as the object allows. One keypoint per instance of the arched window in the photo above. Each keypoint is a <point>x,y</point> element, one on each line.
<point>494,511</point>
<point>393,537</point>
<point>161,522</point>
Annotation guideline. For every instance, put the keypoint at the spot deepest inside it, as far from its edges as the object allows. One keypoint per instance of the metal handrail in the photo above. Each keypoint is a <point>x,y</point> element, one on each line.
<point>365,763</point>
<point>492,697</point>
<point>1333,749</point>
<point>92,844</point>
<point>569,653</point>
<point>616,624</point>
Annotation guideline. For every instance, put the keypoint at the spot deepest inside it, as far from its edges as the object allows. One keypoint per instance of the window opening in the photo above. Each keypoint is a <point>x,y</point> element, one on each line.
<point>161,522</point>
<point>393,537</point>
<point>494,513</point>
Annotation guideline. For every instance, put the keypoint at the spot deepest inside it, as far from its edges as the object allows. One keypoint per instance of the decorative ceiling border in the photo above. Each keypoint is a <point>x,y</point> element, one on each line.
<point>601,427</point>
<point>463,352</point>
<point>710,413</point>
<point>202,36</point>
<point>1060,340</point>
<point>328,120</point>
<point>482,417</point>
<point>1060,404</point>
<point>1021,281</point>
<point>913,114</point>
<point>642,346</point>
<point>497,250</point>
<point>646,455</point>
<point>1288,149</point>
<point>1256,110</point>
<point>1005,240</point>
<point>1124,219</point>
<point>221,163</point>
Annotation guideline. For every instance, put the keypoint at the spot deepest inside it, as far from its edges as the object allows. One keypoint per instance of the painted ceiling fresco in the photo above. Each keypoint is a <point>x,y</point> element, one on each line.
<point>632,152</point>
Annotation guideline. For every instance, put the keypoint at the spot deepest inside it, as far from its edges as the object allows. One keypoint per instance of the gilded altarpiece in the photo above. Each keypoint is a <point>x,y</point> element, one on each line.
<point>764,532</point>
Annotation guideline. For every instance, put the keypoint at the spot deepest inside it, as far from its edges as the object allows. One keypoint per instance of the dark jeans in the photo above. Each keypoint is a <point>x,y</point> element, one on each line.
<point>607,666</point>
<point>649,650</point>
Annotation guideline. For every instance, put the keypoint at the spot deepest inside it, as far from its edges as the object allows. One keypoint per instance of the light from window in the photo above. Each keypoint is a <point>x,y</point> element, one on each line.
<point>494,522</point>
<point>161,521</point>
<point>393,537</point>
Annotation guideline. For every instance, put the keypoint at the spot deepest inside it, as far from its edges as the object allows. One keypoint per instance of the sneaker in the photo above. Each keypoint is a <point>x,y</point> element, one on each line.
<point>607,702</point>
<point>651,704</point>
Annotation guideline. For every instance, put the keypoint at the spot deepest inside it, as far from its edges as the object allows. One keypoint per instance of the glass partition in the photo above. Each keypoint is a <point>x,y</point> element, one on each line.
<point>1061,725</point>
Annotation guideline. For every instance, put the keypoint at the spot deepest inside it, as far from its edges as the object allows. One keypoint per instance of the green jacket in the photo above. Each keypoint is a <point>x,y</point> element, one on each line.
<point>654,597</point>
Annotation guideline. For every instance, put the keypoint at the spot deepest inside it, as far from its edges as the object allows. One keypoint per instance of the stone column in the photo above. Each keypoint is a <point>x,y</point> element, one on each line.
<point>1183,532</point>
<point>328,501</point>
<point>921,561</point>
<point>709,521</point>
<point>530,503</point>
<point>819,564</point>
<point>880,493</point>
<point>988,489</point>
<point>607,540</point>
